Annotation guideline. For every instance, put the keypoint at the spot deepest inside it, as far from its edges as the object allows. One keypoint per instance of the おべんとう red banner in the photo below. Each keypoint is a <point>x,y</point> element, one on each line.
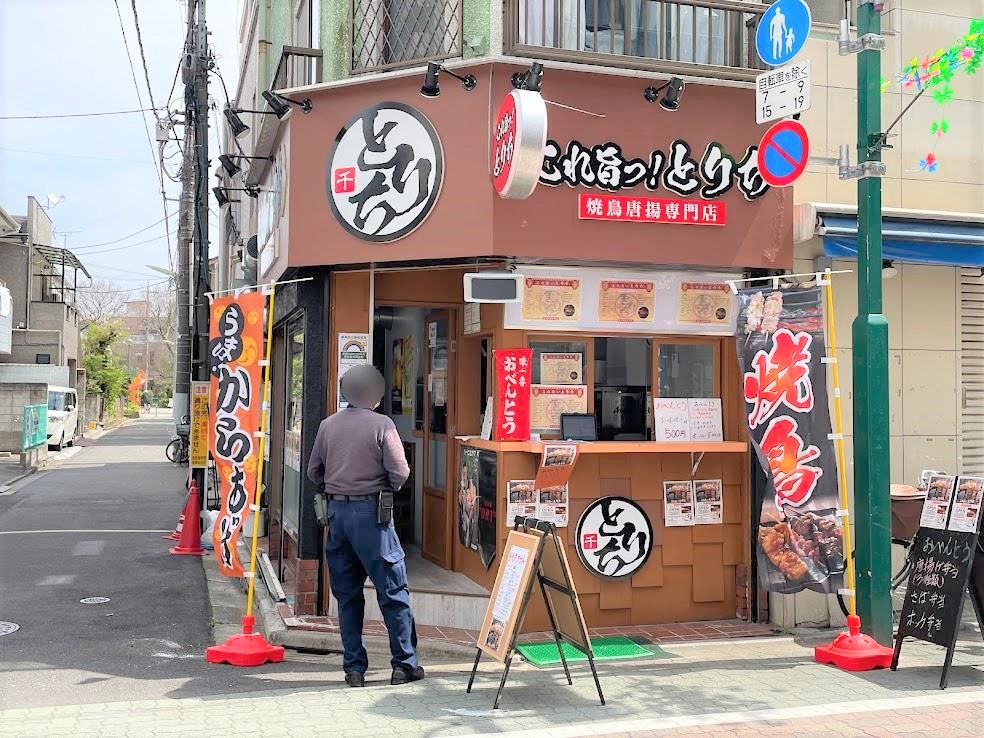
<point>512,401</point>
<point>234,352</point>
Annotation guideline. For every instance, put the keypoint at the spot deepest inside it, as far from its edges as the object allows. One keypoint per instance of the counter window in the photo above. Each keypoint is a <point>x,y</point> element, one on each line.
<point>686,370</point>
<point>623,369</point>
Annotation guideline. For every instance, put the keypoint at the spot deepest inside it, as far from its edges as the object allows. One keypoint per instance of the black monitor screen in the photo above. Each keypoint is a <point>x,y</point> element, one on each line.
<point>578,427</point>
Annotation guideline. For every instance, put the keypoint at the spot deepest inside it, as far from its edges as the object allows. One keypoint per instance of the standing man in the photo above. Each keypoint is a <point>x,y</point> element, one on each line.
<point>358,458</point>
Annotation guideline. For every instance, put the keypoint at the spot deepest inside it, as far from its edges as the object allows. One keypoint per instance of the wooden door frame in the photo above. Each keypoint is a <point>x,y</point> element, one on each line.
<point>451,313</point>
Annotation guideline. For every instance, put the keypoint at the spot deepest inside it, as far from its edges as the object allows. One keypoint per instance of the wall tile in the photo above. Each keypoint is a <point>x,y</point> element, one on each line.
<point>929,394</point>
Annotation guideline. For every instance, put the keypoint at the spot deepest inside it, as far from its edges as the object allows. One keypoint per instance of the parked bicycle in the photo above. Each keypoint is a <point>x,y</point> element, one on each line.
<point>906,509</point>
<point>178,449</point>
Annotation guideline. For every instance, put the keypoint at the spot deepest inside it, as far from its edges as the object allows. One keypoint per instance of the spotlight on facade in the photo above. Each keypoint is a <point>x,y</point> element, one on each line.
<point>239,129</point>
<point>281,105</point>
<point>220,196</point>
<point>431,86</point>
<point>531,79</point>
<point>230,165</point>
<point>888,269</point>
<point>671,99</point>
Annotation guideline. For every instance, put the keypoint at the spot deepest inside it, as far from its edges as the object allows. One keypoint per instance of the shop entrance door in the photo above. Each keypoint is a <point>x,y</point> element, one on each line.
<point>438,435</point>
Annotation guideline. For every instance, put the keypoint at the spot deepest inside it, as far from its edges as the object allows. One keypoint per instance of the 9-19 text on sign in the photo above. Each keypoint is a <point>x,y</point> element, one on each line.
<point>782,92</point>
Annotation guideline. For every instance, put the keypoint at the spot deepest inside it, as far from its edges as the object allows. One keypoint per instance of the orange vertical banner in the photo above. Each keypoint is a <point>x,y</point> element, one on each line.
<point>234,353</point>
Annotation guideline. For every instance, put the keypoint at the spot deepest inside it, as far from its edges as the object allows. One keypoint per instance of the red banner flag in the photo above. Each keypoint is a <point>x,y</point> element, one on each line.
<point>512,404</point>
<point>234,352</point>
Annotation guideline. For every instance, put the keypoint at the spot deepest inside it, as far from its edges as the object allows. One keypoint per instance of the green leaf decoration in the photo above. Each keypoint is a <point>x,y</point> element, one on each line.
<point>943,95</point>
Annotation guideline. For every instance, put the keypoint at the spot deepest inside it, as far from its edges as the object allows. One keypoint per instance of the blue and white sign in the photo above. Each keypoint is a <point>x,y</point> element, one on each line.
<point>782,31</point>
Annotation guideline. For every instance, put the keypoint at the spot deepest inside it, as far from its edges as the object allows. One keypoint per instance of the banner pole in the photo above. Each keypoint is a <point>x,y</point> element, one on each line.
<point>841,456</point>
<point>264,431</point>
<point>249,648</point>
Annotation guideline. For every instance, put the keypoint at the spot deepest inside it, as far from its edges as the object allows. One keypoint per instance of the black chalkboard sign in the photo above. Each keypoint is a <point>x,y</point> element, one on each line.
<point>940,573</point>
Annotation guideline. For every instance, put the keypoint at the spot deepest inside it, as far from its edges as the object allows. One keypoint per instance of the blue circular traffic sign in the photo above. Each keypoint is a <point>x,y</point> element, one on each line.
<point>783,153</point>
<point>782,31</point>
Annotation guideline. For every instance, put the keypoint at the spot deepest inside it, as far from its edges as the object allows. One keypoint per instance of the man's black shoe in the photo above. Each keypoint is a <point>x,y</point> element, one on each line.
<point>355,678</point>
<point>405,676</point>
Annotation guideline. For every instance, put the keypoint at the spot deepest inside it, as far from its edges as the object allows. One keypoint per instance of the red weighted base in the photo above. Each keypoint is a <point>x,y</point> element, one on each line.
<point>854,651</point>
<point>245,649</point>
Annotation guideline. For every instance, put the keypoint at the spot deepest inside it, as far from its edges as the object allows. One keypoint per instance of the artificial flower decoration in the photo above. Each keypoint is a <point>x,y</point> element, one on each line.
<point>930,163</point>
<point>940,127</point>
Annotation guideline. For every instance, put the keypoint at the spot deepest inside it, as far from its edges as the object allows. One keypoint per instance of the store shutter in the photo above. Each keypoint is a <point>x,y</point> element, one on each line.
<point>971,372</point>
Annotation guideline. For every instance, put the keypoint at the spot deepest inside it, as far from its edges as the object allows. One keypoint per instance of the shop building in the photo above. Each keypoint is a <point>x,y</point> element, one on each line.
<point>635,204</point>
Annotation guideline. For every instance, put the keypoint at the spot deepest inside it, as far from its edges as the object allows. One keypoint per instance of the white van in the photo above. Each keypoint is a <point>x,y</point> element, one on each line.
<point>63,416</point>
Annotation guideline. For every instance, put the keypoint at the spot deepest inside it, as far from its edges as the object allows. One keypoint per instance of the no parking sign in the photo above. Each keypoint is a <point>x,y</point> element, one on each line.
<point>783,153</point>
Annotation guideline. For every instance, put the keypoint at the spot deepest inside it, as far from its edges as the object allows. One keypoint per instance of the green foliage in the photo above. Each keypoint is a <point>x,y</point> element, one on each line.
<point>105,372</point>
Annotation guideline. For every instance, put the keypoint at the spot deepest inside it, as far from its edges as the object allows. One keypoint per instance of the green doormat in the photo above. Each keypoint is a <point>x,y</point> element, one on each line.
<point>605,649</point>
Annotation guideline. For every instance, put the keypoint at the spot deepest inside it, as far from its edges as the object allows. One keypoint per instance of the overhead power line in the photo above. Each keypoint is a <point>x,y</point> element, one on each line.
<point>143,56</point>
<point>127,246</point>
<point>123,238</point>
<point>78,156</point>
<point>78,115</point>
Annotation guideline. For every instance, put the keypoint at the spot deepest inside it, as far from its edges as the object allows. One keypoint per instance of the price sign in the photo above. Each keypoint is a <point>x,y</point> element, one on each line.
<point>782,92</point>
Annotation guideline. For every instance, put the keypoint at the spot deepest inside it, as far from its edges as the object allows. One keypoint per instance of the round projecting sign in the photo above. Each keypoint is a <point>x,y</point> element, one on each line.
<point>518,140</point>
<point>614,537</point>
<point>385,172</point>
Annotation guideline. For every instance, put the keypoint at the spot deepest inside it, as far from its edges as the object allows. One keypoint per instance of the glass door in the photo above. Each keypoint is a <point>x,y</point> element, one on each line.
<point>438,432</point>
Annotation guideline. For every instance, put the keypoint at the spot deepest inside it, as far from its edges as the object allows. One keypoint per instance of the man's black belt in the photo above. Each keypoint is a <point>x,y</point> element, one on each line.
<point>352,498</point>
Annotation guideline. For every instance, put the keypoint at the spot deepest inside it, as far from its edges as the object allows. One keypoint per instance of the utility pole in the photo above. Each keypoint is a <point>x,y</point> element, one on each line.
<point>200,67</point>
<point>870,333</point>
<point>183,278</point>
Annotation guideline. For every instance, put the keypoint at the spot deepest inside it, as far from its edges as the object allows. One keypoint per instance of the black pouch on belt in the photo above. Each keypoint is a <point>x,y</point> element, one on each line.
<point>384,508</point>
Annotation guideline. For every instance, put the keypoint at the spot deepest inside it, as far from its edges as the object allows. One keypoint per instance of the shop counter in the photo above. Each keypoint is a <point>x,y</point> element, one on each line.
<point>611,447</point>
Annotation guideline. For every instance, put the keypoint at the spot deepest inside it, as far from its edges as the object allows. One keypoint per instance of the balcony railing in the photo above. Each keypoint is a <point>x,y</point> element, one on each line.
<point>708,38</point>
<point>298,67</point>
<point>388,34</point>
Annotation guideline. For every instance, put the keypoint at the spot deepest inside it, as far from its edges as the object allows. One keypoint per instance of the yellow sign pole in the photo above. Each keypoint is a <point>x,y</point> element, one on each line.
<point>839,435</point>
<point>264,432</point>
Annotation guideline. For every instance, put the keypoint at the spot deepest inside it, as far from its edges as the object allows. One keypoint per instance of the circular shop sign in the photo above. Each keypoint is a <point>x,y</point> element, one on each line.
<point>385,172</point>
<point>518,140</point>
<point>614,537</point>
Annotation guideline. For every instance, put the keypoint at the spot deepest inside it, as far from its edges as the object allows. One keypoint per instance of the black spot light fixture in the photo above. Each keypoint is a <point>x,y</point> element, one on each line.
<point>431,86</point>
<point>230,166</point>
<point>671,98</point>
<point>222,196</point>
<point>531,79</point>
<point>280,105</point>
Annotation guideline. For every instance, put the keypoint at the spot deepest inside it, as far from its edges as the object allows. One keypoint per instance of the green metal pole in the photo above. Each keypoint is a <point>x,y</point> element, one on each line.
<point>870,333</point>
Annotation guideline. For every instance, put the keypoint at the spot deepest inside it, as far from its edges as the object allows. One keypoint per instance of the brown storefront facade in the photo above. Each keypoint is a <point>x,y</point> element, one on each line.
<point>630,194</point>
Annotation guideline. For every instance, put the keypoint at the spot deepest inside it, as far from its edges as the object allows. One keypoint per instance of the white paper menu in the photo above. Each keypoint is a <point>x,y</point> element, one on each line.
<point>938,499</point>
<point>678,503</point>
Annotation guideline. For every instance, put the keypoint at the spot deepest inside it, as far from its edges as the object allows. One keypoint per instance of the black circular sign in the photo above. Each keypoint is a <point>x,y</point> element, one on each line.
<point>614,537</point>
<point>385,172</point>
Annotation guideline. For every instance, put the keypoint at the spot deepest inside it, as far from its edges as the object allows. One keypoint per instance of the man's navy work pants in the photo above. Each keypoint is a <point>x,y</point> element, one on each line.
<point>357,547</point>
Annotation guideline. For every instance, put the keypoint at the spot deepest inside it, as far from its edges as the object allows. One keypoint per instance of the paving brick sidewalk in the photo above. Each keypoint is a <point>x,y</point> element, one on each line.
<point>753,682</point>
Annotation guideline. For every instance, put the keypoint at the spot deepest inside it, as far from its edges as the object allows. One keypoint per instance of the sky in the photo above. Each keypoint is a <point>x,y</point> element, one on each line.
<point>67,56</point>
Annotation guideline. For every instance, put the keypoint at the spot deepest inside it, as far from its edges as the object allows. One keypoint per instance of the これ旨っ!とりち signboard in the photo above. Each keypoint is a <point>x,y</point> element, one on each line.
<point>518,139</point>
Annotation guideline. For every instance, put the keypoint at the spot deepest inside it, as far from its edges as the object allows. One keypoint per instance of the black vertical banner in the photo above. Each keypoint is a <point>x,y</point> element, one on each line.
<point>781,350</point>
<point>487,490</point>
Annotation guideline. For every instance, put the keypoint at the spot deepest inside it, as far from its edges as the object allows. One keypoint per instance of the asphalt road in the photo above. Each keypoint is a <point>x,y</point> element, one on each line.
<point>91,527</point>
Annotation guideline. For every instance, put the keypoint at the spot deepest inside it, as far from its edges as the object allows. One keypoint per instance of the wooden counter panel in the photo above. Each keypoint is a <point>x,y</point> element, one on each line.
<point>708,573</point>
<point>734,545</point>
<point>651,575</point>
<point>734,507</point>
<point>615,447</point>
<point>615,487</point>
<point>708,534</point>
<point>678,546</point>
<point>616,595</point>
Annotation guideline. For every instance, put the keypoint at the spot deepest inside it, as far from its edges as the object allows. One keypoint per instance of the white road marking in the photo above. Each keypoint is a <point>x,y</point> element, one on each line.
<point>88,548</point>
<point>752,716</point>
<point>74,530</point>
<point>56,579</point>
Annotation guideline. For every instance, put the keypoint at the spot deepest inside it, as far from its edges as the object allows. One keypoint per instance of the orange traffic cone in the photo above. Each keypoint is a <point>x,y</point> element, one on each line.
<point>175,535</point>
<point>190,542</point>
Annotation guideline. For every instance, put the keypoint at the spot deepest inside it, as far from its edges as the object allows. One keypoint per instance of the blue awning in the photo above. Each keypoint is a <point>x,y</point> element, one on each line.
<point>910,241</point>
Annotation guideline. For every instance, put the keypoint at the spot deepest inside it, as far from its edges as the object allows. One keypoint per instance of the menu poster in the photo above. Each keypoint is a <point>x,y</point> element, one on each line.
<point>549,401</point>
<point>512,583</point>
<point>556,465</point>
<point>553,505</point>
<point>551,298</point>
<point>966,514</point>
<point>705,419</point>
<point>522,500</point>
<point>705,303</point>
<point>561,368</point>
<point>939,495</point>
<point>709,497</point>
<point>678,503</point>
<point>627,301</point>
<point>671,419</point>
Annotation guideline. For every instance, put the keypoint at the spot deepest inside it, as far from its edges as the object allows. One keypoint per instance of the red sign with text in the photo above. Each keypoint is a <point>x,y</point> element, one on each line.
<point>512,401</point>
<point>651,210</point>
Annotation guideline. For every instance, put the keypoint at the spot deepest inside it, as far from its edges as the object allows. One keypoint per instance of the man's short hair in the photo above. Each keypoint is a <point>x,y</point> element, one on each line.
<point>363,386</point>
